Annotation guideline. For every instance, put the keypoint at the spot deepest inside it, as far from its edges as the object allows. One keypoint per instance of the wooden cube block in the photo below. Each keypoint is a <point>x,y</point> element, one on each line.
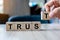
<point>45,16</point>
<point>27,26</point>
<point>10,26</point>
<point>18,26</point>
<point>36,26</point>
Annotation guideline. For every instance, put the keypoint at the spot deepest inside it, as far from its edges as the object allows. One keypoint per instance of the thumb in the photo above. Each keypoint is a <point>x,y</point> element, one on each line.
<point>55,13</point>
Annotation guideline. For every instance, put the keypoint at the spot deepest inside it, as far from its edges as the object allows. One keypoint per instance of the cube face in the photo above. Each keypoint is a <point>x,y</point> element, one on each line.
<point>45,16</point>
<point>27,26</point>
<point>23,26</point>
<point>10,26</point>
<point>19,26</point>
<point>36,26</point>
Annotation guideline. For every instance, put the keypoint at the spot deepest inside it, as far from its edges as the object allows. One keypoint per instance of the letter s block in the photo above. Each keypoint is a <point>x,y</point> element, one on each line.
<point>36,26</point>
<point>45,16</point>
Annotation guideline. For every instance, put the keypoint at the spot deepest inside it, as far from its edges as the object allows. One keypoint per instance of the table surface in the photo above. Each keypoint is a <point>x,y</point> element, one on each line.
<point>48,32</point>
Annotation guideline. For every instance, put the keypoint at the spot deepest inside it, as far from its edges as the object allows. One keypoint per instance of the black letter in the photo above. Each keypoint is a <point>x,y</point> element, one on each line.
<point>10,25</point>
<point>27,26</point>
<point>46,14</point>
<point>36,26</point>
<point>18,26</point>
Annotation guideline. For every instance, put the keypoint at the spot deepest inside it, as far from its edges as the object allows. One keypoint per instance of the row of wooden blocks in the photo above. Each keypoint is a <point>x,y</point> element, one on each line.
<point>23,26</point>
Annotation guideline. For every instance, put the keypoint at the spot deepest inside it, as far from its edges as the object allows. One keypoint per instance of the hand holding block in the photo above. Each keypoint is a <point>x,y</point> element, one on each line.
<point>45,16</point>
<point>22,26</point>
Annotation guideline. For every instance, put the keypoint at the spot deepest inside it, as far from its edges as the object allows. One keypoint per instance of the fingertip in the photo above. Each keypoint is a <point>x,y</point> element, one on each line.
<point>47,8</point>
<point>51,15</point>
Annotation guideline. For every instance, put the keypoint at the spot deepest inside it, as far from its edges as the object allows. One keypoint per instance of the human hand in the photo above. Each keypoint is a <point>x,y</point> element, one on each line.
<point>56,8</point>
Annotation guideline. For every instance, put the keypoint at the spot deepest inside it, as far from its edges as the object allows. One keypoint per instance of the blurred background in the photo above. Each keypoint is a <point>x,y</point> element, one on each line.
<point>22,10</point>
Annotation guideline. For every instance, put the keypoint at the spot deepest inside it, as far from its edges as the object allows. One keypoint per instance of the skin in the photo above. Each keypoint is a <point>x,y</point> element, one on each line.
<point>56,8</point>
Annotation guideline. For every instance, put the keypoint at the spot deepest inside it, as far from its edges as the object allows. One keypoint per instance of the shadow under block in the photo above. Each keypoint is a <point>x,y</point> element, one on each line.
<point>45,16</point>
<point>23,26</point>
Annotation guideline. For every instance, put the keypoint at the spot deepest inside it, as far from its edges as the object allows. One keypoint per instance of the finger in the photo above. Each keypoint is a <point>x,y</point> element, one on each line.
<point>56,3</point>
<point>48,5</point>
<point>55,13</point>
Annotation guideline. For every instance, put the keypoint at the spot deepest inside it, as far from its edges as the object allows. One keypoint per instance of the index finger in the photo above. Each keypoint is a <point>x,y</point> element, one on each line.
<point>48,5</point>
